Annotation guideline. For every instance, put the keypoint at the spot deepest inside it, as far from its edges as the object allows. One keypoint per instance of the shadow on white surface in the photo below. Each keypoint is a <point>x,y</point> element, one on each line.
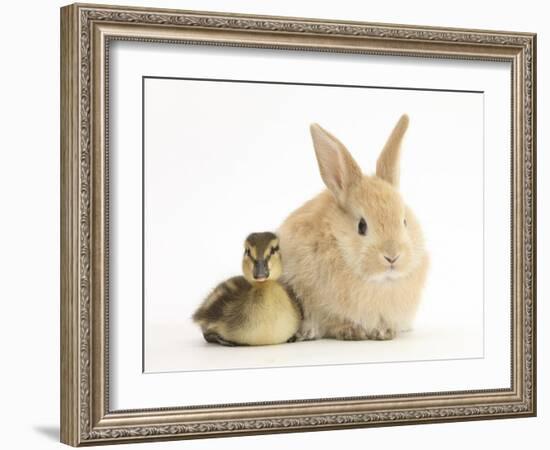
<point>49,431</point>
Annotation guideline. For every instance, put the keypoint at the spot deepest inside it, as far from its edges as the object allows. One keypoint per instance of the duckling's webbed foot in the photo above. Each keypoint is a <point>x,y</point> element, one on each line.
<point>215,338</point>
<point>211,337</point>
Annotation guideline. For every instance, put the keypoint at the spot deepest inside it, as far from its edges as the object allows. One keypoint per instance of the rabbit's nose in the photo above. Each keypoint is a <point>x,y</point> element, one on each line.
<point>391,260</point>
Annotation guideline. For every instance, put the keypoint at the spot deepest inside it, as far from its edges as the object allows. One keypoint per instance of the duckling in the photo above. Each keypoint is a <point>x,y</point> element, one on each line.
<point>254,309</point>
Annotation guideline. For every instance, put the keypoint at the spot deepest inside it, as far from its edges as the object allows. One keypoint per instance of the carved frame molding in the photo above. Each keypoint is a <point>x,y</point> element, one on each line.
<point>86,31</point>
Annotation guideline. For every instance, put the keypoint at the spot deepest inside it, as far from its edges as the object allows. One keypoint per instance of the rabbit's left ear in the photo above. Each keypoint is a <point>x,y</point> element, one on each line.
<point>387,166</point>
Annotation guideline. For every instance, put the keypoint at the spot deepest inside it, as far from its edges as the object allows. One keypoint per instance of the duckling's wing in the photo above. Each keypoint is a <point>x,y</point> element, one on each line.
<point>221,298</point>
<point>238,285</point>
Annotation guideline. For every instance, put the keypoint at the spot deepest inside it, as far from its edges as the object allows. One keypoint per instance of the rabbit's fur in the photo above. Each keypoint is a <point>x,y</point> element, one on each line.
<point>348,289</point>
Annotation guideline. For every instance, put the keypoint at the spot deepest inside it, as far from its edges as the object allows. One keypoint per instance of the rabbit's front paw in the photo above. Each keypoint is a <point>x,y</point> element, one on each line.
<point>382,334</point>
<point>307,332</point>
<point>305,335</point>
<point>350,333</point>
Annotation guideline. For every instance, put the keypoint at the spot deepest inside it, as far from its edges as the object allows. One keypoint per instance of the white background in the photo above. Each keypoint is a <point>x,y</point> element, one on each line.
<point>244,160</point>
<point>29,174</point>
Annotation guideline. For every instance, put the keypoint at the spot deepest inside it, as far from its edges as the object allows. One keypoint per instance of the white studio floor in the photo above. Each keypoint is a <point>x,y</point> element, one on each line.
<point>172,347</point>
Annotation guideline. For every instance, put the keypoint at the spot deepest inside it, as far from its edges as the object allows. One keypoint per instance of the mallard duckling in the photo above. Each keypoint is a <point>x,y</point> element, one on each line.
<point>254,309</point>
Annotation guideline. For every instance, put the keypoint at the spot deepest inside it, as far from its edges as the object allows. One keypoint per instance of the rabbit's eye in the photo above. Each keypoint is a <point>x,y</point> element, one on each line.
<point>362,227</point>
<point>405,222</point>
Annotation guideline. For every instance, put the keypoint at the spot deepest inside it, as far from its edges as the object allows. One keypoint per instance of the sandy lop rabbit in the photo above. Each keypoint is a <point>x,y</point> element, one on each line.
<point>355,254</point>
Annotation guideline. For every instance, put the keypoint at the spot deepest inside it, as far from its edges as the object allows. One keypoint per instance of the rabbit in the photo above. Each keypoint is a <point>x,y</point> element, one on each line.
<point>355,254</point>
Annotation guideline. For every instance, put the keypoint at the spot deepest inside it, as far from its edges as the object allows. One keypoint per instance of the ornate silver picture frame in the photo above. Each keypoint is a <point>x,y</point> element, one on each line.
<point>87,33</point>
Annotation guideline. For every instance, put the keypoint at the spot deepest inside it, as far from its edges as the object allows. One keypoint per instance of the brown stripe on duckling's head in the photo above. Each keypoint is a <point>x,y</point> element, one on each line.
<point>262,243</point>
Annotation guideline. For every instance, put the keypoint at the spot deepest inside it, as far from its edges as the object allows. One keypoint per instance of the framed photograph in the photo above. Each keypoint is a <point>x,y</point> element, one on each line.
<point>276,224</point>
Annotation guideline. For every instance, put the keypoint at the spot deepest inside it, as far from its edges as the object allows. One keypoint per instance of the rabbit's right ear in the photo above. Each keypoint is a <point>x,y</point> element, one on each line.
<point>338,168</point>
<point>387,166</point>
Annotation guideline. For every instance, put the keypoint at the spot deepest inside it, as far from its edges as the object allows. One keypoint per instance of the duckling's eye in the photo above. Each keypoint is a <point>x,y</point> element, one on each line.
<point>405,222</point>
<point>274,249</point>
<point>247,252</point>
<point>362,227</point>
